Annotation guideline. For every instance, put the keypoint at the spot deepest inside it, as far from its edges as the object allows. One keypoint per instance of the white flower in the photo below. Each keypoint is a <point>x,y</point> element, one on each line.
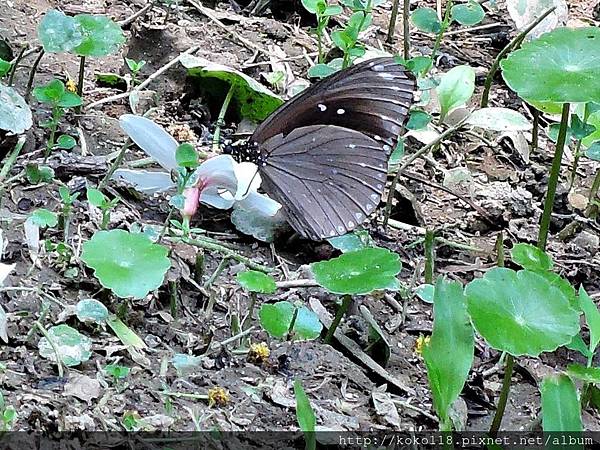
<point>219,181</point>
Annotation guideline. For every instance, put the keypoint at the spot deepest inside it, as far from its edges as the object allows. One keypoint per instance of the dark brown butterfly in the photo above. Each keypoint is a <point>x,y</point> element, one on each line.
<point>323,154</point>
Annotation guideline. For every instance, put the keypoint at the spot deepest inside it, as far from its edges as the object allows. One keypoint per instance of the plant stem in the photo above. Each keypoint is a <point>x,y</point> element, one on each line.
<point>80,80</point>
<point>366,12</point>
<point>115,165</point>
<point>586,114</point>
<point>444,27</point>
<point>173,297</point>
<point>589,211</point>
<point>221,119</point>
<point>500,250</point>
<point>12,158</point>
<point>40,327</point>
<point>429,256</point>
<point>392,24</point>
<point>216,273</point>
<point>346,300</point>
<point>409,161</point>
<point>509,47</point>
<point>208,245</point>
<point>508,370</point>
<point>105,218</point>
<point>406,29</point>
<point>248,318</point>
<point>56,114</point>
<point>13,69</point>
<point>535,132</point>
<point>36,63</point>
<point>553,180</point>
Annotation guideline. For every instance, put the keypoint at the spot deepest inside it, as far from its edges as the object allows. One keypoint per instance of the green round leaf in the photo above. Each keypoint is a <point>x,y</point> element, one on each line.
<point>66,142</point>
<point>426,19</point>
<point>72,346</point>
<point>425,292</point>
<point>101,36</point>
<point>418,120</point>
<point>520,312</point>
<point>44,218</point>
<point>90,310</point>
<point>593,152</point>
<point>59,32</point>
<point>15,114</point>
<point>468,14</point>
<point>357,240</point>
<point>127,263</point>
<point>593,119</point>
<point>307,325</point>
<point>276,318</point>
<point>321,71</point>
<point>455,89</point>
<point>561,66</point>
<point>359,272</point>
<point>530,257</point>
<point>255,281</point>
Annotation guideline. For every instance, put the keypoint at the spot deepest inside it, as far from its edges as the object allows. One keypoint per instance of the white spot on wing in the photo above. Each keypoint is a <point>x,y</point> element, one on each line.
<point>350,224</point>
<point>322,107</point>
<point>341,229</point>
<point>341,111</point>
<point>379,68</point>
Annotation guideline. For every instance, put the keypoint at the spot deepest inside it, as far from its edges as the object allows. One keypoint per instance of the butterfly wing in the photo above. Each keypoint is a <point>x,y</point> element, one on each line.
<point>329,179</point>
<point>372,97</point>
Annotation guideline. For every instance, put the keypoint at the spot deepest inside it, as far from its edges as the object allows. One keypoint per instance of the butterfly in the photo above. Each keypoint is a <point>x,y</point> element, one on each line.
<point>323,154</point>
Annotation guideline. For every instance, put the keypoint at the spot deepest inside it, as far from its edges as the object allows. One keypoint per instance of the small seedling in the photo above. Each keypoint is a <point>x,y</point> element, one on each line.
<point>60,99</point>
<point>117,372</point>
<point>323,12</point>
<point>135,67</point>
<point>427,20</point>
<point>291,321</point>
<point>255,282</point>
<point>99,200</point>
<point>5,68</point>
<point>67,200</point>
<point>72,347</point>
<point>39,174</point>
<point>8,415</point>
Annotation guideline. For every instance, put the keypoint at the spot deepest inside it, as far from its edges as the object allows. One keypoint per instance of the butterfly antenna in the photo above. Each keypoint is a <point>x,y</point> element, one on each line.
<point>251,180</point>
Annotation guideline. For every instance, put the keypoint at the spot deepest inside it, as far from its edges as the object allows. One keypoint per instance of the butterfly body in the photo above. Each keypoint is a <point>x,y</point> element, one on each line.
<point>323,155</point>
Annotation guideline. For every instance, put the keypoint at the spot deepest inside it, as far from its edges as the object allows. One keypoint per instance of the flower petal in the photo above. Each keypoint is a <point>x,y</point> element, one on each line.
<point>259,202</point>
<point>248,179</point>
<point>218,172</point>
<point>192,196</point>
<point>212,197</point>
<point>144,180</point>
<point>151,138</point>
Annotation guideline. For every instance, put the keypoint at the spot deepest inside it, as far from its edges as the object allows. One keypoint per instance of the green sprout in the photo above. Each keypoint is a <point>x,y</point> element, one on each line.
<point>323,12</point>
<point>135,67</point>
<point>67,200</point>
<point>60,99</point>
<point>8,414</point>
<point>99,200</point>
<point>427,20</point>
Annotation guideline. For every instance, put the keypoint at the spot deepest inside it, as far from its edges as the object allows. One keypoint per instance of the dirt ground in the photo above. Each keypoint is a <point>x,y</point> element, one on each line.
<point>342,390</point>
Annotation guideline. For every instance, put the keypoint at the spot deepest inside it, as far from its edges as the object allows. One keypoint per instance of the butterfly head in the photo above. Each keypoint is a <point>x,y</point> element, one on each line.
<point>242,152</point>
